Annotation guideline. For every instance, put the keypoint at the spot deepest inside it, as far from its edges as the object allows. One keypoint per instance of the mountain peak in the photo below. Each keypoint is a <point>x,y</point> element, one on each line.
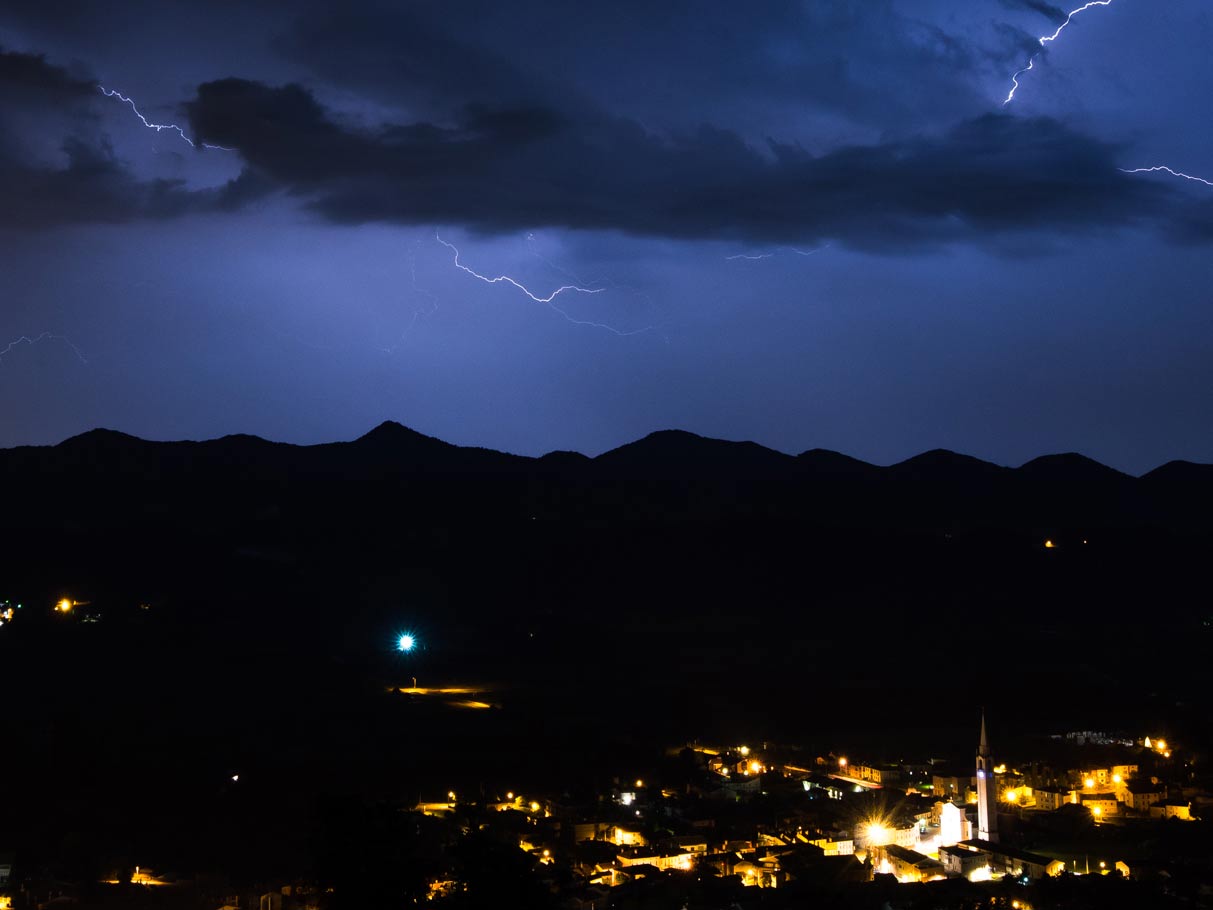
<point>392,433</point>
<point>669,448</point>
<point>1069,467</point>
<point>828,461</point>
<point>100,437</point>
<point>944,463</point>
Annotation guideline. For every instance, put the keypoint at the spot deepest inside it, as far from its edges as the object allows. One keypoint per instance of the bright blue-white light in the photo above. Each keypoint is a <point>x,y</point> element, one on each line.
<point>406,642</point>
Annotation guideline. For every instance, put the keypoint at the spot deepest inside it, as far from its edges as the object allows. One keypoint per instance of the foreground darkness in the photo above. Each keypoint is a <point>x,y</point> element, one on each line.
<point>248,596</point>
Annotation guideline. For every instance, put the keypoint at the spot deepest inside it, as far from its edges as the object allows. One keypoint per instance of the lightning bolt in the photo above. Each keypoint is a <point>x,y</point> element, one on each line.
<point>45,336</point>
<point>772,253</point>
<point>1165,169</point>
<point>158,127</point>
<point>1015,81</point>
<point>606,282</point>
<point>1045,40</point>
<point>549,300</point>
<point>1082,9</point>
<point>508,280</point>
<point>418,312</point>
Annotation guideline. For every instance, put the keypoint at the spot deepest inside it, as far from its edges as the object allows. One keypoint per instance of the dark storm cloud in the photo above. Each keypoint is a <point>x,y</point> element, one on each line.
<point>32,75</point>
<point>511,169</point>
<point>1053,13</point>
<point>86,182</point>
<point>679,61</point>
<point>94,187</point>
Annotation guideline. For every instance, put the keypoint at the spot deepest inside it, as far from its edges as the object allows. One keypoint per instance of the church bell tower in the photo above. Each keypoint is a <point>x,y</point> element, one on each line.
<point>987,811</point>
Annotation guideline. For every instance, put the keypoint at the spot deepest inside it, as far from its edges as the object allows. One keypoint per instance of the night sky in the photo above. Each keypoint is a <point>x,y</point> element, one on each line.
<point>807,223</point>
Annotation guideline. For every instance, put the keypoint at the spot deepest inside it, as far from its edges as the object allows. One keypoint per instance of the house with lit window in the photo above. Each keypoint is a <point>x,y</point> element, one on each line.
<point>953,786</point>
<point>1141,795</point>
<point>1051,798</point>
<point>1101,805</point>
<point>1172,808</point>
<point>1004,860</point>
<point>908,865</point>
<point>962,861</point>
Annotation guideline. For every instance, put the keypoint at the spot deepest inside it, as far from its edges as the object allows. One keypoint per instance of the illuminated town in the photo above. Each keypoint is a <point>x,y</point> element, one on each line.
<point>1074,818</point>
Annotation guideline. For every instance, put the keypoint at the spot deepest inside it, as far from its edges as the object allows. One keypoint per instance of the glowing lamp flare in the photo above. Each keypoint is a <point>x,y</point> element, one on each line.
<point>406,643</point>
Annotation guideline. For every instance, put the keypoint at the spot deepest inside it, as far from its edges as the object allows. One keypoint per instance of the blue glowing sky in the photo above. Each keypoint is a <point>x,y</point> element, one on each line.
<point>811,224</point>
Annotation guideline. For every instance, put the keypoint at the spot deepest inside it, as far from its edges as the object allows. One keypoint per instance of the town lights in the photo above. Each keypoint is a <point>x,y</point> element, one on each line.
<point>877,834</point>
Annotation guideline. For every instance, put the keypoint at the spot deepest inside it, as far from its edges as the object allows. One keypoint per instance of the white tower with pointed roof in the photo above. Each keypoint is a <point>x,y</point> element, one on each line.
<point>987,812</point>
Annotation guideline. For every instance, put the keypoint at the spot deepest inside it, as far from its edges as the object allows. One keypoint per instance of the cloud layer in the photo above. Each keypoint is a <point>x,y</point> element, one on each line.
<point>417,117</point>
<point>83,181</point>
<point>503,170</point>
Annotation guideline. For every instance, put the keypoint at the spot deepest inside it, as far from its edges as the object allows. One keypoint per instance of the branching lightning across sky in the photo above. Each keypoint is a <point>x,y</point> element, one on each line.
<point>549,300</point>
<point>1045,40</point>
<point>45,336</point>
<point>508,280</point>
<point>1165,169</point>
<point>158,127</point>
<point>770,254</point>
